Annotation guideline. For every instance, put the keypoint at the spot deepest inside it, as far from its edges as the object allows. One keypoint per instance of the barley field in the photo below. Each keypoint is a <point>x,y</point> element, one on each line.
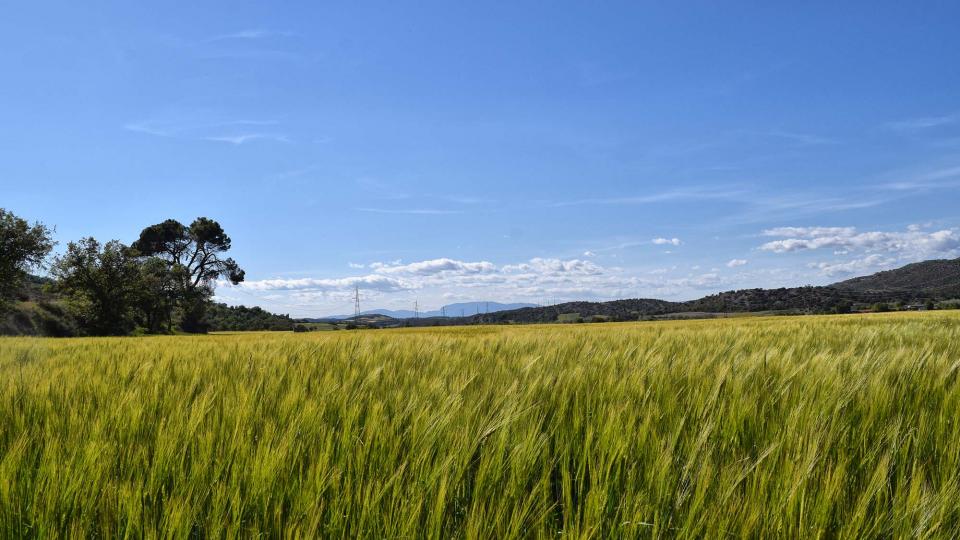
<point>801,427</point>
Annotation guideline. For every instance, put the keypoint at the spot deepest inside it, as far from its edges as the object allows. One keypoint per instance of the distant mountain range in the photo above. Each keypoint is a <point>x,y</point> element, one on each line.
<point>462,309</point>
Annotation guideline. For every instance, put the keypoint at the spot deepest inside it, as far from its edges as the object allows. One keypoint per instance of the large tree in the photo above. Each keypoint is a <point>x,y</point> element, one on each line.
<point>195,259</point>
<point>102,283</point>
<point>22,247</point>
<point>156,296</point>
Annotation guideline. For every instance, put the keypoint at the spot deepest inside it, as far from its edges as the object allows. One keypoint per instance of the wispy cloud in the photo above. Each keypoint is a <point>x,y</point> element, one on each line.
<point>651,198</point>
<point>464,199</point>
<point>803,139</point>
<point>925,122</point>
<point>763,208</point>
<point>197,126</point>
<point>947,177</point>
<point>414,211</point>
<point>248,137</point>
<point>247,34</point>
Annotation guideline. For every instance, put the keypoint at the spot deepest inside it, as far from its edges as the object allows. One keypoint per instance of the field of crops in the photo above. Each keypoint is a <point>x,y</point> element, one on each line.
<point>769,427</point>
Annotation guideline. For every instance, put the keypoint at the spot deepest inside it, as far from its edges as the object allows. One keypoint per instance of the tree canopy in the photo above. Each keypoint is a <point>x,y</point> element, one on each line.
<point>194,252</point>
<point>194,260</point>
<point>22,247</point>
<point>102,282</point>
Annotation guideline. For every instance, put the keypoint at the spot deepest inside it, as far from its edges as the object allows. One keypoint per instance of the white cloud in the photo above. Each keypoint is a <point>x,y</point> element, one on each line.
<point>589,253</point>
<point>356,265</point>
<point>435,266</point>
<point>389,284</point>
<point>667,241</point>
<point>863,265</point>
<point>371,282</point>
<point>709,280</point>
<point>809,232</point>
<point>556,266</point>
<point>436,281</point>
<point>913,242</point>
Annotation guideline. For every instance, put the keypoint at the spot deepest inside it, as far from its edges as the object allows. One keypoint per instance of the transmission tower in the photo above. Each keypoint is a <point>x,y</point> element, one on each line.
<point>356,302</point>
<point>416,309</point>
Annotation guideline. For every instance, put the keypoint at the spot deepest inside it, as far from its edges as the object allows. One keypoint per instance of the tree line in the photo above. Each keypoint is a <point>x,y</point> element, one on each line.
<point>162,282</point>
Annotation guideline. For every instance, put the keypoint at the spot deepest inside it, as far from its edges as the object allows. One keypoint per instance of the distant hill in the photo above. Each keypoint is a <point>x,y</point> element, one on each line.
<point>621,310</point>
<point>936,278</point>
<point>222,317</point>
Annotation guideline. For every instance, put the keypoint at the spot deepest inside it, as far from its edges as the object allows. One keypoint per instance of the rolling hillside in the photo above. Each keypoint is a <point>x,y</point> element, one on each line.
<point>929,280</point>
<point>937,278</point>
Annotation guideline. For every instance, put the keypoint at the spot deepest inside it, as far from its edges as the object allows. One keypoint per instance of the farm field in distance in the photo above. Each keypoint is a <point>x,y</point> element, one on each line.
<point>796,427</point>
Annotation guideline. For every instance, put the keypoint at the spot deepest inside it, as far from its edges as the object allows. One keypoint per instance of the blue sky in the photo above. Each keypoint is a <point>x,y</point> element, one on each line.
<point>512,151</point>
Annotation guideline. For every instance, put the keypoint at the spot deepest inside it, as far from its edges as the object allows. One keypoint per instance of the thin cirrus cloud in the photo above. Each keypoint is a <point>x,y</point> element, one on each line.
<point>751,207</point>
<point>947,177</point>
<point>803,139</point>
<point>652,198</point>
<point>925,122</point>
<point>235,132</point>
<point>248,34</point>
<point>411,211</point>
<point>248,137</point>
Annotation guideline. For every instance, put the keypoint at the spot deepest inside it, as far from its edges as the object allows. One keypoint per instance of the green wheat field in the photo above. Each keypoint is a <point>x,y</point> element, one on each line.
<point>799,427</point>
